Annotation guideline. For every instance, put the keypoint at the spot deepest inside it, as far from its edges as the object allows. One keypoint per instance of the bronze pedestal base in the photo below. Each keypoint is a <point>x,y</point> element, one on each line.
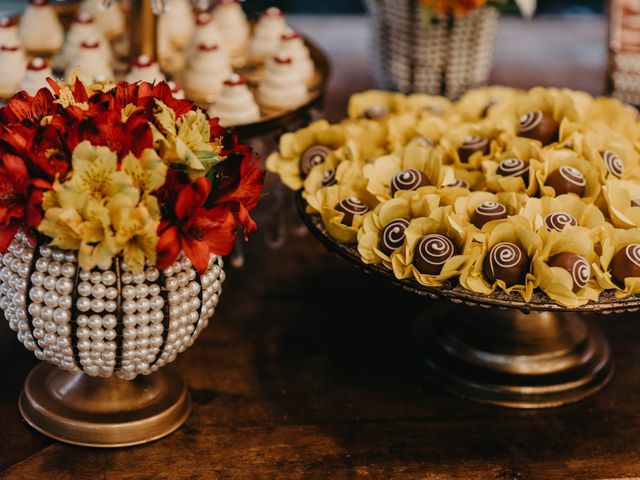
<point>512,359</point>
<point>104,412</point>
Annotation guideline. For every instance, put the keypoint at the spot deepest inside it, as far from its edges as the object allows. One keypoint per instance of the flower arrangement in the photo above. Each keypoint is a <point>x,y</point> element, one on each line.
<point>123,170</point>
<point>503,190</point>
<point>460,7</point>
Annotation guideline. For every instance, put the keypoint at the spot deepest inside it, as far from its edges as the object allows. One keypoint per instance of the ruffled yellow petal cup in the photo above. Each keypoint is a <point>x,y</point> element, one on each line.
<point>612,153</point>
<point>568,288</point>
<point>467,145</point>
<point>514,170</point>
<point>437,223</point>
<point>579,170</point>
<point>614,240</point>
<point>513,230</point>
<point>556,213</point>
<point>473,212</point>
<point>373,246</point>
<point>376,105</point>
<point>341,167</point>
<point>485,102</point>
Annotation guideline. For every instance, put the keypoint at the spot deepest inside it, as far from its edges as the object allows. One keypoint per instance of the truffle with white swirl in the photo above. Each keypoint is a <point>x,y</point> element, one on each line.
<point>431,253</point>
<point>567,179</point>
<point>576,265</point>
<point>312,156</point>
<point>626,263</point>
<point>513,167</point>
<point>458,183</point>
<point>376,112</point>
<point>635,202</point>
<point>613,162</point>
<point>350,207</point>
<point>329,177</point>
<point>559,220</point>
<point>471,145</point>
<point>392,235</point>
<point>507,262</point>
<point>410,179</point>
<point>488,212</point>
<point>538,125</point>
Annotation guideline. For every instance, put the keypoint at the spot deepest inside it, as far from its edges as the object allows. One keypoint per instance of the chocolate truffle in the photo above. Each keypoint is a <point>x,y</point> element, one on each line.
<point>351,206</point>
<point>311,157</point>
<point>487,212</point>
<point>559,220</point>
<point>613,162</point>
<point>392,236</point>
<point>538,125</point>
<point>626,263</point>
<point>329,177</point>
<point>508,262</point>
<point>376,112</point>
<point>567,179</point>
<point>457,183</point>
<point>472,145</point>
<point>513,167</point>
<point>576,265</point>
<point>408,180</point>
<point>635,202</point>
<point>431,253</point>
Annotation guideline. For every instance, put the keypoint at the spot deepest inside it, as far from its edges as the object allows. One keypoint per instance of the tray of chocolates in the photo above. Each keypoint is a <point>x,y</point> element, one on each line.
<point>257,75</point>
<point>505,198</point>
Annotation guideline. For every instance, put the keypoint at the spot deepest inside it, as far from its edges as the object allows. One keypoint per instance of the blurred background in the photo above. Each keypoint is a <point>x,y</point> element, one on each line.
<point>357,6</point>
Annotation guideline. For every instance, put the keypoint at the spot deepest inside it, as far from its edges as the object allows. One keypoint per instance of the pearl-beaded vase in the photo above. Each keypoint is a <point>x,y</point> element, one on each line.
<point>104,322</point>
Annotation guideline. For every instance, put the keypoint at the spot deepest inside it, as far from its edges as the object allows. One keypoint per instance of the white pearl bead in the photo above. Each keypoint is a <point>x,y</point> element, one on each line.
<point>154,290</point>
<point>50,327</point>
<point>65,301</point>
<point>97,335</point>
<point>130,320</point>
<point>57,255</point>
<point>45,251</point>
<point>84,275</point>
<point>36,294</point>
<point>96,277</point>
<point>82,320</point>
<point>129,333</point>
<point>109,321</point>
<point>83,333</point>
<point>47,313</point>
<point>111,294</point>
<point>83,304</point>
<point>110,306</point>
<point>34,309</point>
<point>64,286</point>
<point>55,269</point>
<point>68,270</point>
<point>129,292</point>
<point>157,317</point>
<point>109,334</point>
<point>97,305</point>
<point>129,306</point>
<point>126,278</point>
<point>142,290</point>
<point>108,278</point>
<point>138,278</point>
<point>156,303</point>
<point>143,305</point>
<point>84,289</point>
<point>95,322</point>
<point>98,290</point>
<point>61,316</point>
<point>63,331</point>
<point>152,274</point>
<point>49,282</point>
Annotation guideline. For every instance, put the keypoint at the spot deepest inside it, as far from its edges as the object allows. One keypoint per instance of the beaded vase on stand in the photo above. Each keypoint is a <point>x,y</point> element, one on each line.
<point>447,56</point>
<point>105,335</point>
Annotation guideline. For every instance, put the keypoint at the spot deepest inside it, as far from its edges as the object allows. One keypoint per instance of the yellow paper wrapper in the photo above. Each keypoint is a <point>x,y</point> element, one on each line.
<point>554,159</point>
<point>517,149</point>
<point>409,207</point>
<point>369,135</point>
<point>613,240</point>
<point>557,282</point>
<point>483,102</point>
<point>485,129</point>
<point>325,201</point>
<point>413,157</point>
<point>286,162</point>
<point>407,129</point>
<point>514,230</point>
<point>343,167</point>
<point>612,153</point>
<point>437,222</point>
<point>618,116</point>
<point>620,198</point>
<point>465,207</point>
<point>429,106</point>
<point>373,103</point>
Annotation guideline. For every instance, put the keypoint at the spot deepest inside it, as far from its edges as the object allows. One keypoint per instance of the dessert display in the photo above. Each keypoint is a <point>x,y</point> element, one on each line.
<point>175,31</point>
<point>208,67</point>
<point>35,78</point>
<point>41,32</point>
<point>83,29</point>
<point>13,66</point>
<point>292,45</point>
<point>267,35</point>
<point>91,62</point>
<point>9,34</point>
<point>522,193</point>
<point>283,86</point>
<point>235,104</point>
<point>145,69</point>
<point>110,21</point>
<point>234,26</point>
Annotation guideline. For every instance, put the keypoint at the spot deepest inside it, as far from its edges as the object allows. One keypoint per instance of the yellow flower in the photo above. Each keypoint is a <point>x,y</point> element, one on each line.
<point>136,236</point>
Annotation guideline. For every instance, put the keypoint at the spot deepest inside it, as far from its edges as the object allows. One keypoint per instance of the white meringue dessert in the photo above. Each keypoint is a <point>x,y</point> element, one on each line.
<point>9,34</point>
<point>177,24</point>
<point>84,28</point>
<point>206,31</point>
<point>35,78</point>
<point>282,87</point>
<point>145,69</point>
<point>267,35</point>
<point>235,104</point>
<point>110,21</point>
<point>207,70</point>
<point>234,26</point>
<point>91,62</point>
<point>13,66</point>
<point>292,44</point>
<point>40,29</point>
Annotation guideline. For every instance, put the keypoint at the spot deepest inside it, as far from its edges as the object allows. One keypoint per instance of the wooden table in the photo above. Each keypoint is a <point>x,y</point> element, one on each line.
<point>288,386</point>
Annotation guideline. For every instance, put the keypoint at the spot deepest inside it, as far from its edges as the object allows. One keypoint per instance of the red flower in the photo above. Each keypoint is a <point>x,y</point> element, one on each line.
<point>23,108</point>
<point>20,199</point>
<point>190,227</point>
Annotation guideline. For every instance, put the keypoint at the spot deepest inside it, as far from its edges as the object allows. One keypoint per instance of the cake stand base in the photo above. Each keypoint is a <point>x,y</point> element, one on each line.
<point>104,412</point>
<point>512,359</point>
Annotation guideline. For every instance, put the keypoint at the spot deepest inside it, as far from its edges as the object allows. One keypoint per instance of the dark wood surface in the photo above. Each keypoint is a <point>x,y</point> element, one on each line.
<point>304,372</point>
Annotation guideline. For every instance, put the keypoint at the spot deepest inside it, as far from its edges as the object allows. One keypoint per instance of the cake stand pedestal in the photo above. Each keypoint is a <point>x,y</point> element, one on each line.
<point>499,349</point>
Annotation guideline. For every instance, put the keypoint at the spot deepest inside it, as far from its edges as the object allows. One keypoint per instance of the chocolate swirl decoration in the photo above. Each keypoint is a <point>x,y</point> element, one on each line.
<point>393,235</point>
<point>312,156</point>
<point>572,175</point>
<point>474,142</point>
<point>491,209</point>
<point>407,180</point>
<point>530,121</point>
<point>512,167</point>
<point>434,250</point>
<point>635,202</point>
<point>633,253</point>
<point>581,272</point>
<point>376,112</point>
<point>353,206</point>
<point>458,183</point>
<point>559,220</point>
<point>329,177</point>
<point>613,162</point>
<point>504,255</point>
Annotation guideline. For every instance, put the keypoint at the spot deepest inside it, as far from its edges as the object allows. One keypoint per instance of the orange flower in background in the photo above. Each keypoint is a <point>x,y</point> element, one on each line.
<point>458,7</point>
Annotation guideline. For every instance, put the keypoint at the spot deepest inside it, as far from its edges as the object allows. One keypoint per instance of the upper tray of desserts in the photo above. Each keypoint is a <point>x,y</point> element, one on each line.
<point>243,72</point>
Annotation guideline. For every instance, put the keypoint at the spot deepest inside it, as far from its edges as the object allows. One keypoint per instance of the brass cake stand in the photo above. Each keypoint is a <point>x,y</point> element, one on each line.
<point>499,349</point>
